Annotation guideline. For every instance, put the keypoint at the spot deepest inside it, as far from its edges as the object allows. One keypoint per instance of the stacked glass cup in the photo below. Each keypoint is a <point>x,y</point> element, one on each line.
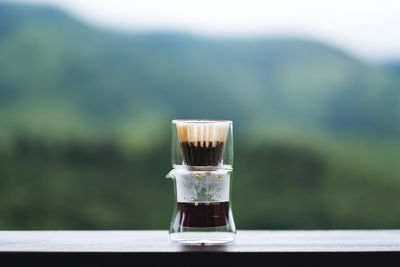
<point>202,157</point>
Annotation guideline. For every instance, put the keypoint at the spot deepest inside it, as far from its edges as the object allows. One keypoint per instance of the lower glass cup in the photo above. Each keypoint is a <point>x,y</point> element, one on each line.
<point>203,212</point>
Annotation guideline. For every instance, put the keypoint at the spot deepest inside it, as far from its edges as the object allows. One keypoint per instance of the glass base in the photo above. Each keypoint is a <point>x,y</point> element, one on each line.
<point>206,238</point>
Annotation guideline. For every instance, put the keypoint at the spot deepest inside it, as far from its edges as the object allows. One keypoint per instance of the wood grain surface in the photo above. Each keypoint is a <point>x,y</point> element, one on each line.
<point>158,241</point>
<point>153,248</point>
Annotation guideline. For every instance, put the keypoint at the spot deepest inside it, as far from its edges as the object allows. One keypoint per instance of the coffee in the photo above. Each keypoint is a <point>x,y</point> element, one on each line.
<point>202,144</point>
<point>202,153</point>
<point>203,214</point>
<point>202,157</point>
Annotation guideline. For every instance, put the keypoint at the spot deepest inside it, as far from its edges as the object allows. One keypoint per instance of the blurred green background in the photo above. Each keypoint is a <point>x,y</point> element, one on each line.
<point>85,126</point>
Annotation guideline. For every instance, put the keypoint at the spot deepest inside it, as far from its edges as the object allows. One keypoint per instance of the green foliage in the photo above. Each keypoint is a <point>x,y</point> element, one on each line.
<point>84,126</point>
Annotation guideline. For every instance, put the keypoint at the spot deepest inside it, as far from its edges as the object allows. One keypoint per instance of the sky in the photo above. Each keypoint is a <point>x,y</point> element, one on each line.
<point>368,29</point>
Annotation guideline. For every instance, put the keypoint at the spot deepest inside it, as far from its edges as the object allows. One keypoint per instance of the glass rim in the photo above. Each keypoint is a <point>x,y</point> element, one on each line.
<point>184,121</point>
<point>211,168</point>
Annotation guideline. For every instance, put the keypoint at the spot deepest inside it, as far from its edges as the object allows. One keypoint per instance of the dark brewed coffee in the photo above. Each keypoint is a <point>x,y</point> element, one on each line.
<point>203,214</point>
<point>202,153</point>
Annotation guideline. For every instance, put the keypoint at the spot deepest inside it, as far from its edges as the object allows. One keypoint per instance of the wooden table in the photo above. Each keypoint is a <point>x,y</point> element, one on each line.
<point>147,248</point>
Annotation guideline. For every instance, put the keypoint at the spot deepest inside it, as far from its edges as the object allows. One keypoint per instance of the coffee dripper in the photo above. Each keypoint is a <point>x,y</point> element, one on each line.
<point>202,157</point>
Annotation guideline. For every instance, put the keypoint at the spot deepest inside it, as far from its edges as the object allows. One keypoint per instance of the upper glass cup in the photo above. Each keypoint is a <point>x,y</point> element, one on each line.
<point>201,144</point>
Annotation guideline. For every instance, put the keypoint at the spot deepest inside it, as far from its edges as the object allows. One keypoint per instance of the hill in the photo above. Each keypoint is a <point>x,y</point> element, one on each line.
<point>95,80</point>
<point>85,114</point>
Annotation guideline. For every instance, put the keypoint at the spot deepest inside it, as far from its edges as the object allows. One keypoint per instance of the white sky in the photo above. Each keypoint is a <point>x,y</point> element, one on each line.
<point>369,29</point>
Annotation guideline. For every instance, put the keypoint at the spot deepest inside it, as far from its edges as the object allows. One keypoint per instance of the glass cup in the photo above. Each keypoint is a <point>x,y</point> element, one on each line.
<point>202,157</point>
<point>202,143</point>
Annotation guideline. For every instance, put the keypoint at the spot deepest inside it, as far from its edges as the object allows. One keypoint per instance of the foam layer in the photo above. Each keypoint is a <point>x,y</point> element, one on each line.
<point>202,134</point>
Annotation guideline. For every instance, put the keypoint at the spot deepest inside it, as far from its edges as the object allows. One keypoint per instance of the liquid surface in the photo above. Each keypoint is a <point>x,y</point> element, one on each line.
<point>203,214</point>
